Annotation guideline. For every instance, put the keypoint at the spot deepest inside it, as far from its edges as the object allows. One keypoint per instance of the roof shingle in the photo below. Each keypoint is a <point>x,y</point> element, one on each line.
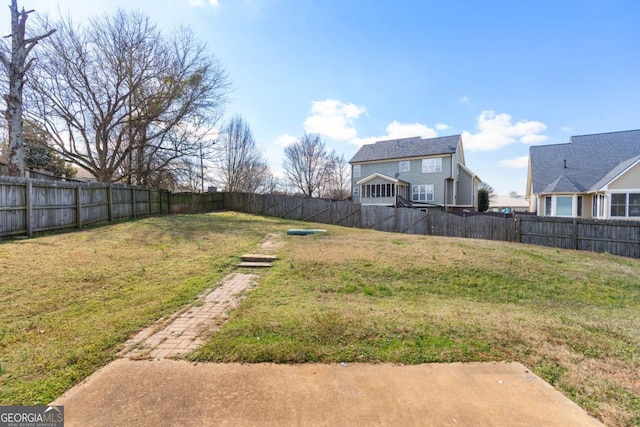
<point>582,164</point>
<point>406,148</point>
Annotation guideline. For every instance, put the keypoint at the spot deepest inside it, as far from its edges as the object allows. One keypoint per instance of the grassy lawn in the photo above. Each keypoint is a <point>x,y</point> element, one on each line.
<point>365,296</point>
<point>69,301</point>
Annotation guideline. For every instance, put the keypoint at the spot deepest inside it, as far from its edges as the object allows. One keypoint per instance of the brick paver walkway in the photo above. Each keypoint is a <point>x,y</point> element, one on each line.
<point>183,333</point>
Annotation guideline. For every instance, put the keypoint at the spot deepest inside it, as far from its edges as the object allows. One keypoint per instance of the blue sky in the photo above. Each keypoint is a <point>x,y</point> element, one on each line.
<point>504,74</point>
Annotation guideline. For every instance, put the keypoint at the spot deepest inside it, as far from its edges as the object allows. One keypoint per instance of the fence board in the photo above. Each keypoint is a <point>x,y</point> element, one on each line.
<point>55,205</point>
<point>28,205</point>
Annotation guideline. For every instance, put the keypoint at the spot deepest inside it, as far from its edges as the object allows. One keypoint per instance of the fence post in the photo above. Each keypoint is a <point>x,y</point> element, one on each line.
<point>575,233</point>
<point>110,202</point>
<point>78,206</point>
<point>29,208</point>
<point>396,228</point>
<point>464,226</point>
<point>133,202</point>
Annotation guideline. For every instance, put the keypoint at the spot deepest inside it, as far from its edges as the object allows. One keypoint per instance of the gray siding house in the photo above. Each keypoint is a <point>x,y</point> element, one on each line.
<point>426,172</point>
<point>593,176</point>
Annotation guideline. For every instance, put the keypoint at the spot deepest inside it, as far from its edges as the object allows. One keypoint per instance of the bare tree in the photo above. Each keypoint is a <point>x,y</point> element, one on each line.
<point>338,177</point>
<point>125,102</point>
<point>17,68</point>
<point>307,164</point>
<point>241,166</point>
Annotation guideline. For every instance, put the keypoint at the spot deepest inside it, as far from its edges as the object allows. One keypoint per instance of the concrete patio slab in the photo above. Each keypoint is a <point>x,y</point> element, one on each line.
<point>179,393</point>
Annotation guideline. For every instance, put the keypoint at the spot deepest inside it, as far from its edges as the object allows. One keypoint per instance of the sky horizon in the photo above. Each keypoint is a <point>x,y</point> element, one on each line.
<point>502,74</point>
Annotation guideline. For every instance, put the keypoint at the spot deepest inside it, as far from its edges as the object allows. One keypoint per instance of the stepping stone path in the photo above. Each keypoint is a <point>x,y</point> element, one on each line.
<point>183,333</point>
<point>186,331</point>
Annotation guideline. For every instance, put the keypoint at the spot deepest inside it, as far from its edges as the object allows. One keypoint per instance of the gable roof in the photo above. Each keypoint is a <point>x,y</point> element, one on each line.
<point>591,162</point>
<point>382,176</point>
<point>405,148</point>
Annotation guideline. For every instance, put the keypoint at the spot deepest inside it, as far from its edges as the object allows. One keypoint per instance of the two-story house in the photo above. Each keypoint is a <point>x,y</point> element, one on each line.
<point>593,176</point>
<point>427,172</point>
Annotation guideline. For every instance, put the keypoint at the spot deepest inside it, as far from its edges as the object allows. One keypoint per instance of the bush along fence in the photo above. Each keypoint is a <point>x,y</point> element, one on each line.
<point>30,206</point>
<point>605,236</point>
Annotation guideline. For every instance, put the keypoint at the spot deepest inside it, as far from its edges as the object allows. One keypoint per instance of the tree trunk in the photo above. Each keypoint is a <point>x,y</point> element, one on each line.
<point>16,70</point>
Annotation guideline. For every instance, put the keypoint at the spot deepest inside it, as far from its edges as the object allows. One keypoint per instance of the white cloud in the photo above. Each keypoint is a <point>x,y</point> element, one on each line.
<point>464,99</point>
<point>566,129</point>
<point>397,130</point>
<point>521,162</point>
<point>201,3</point>
<point>496,131</point>
<point>285,140</point>
<point>442,126</point>
<point>333,119</point>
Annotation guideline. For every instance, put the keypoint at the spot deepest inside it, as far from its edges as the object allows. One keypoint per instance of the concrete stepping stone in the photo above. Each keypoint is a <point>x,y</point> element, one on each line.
<point>258,258</point>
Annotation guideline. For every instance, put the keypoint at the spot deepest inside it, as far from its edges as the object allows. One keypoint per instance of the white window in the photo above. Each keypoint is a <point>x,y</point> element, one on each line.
<point>356,171</point>
<point>597,210</point>
<point>547,206</point>
<point>579,207</point>
<point>432,165</point>
<point>405,166</point>
<point>625,205</point>
<point>378,190</point>
<point>634,204</point>
<point>423,193</point>
<point>356,191</point>
<point>564,206</point>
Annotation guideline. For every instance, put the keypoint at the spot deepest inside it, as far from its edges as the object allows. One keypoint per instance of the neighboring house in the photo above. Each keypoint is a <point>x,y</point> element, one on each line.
<point>427,172</point>
<point>512,201</point>
<point>593,176</point>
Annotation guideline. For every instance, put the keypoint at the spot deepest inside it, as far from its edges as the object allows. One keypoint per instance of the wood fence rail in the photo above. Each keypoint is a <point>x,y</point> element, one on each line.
<point>616,237</point>
<point>29,206</point>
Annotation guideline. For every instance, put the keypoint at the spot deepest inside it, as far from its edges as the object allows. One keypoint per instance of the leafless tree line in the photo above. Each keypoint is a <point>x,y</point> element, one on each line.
<point>313,171</point>
<point>127,102</point>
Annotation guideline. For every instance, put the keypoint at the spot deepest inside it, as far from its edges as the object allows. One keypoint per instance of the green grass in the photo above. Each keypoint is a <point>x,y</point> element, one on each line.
<point>71,300</point>
<point>365,296</point>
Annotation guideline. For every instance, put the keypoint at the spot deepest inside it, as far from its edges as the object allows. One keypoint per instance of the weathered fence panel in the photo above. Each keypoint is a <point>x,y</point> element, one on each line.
<point>615,237</point>
<point>192,202</point>
<point>604,236</point>
<point>53,207</point>
<point>28,206</point>
<point>379,218</point>
<point>13,208</point>
<point>346,214</point>
<point>94,202</point>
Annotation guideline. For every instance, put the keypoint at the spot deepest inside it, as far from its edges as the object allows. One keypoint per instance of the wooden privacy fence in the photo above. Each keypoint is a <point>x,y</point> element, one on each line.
<point>28,206</point>
<point>614,237</point>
